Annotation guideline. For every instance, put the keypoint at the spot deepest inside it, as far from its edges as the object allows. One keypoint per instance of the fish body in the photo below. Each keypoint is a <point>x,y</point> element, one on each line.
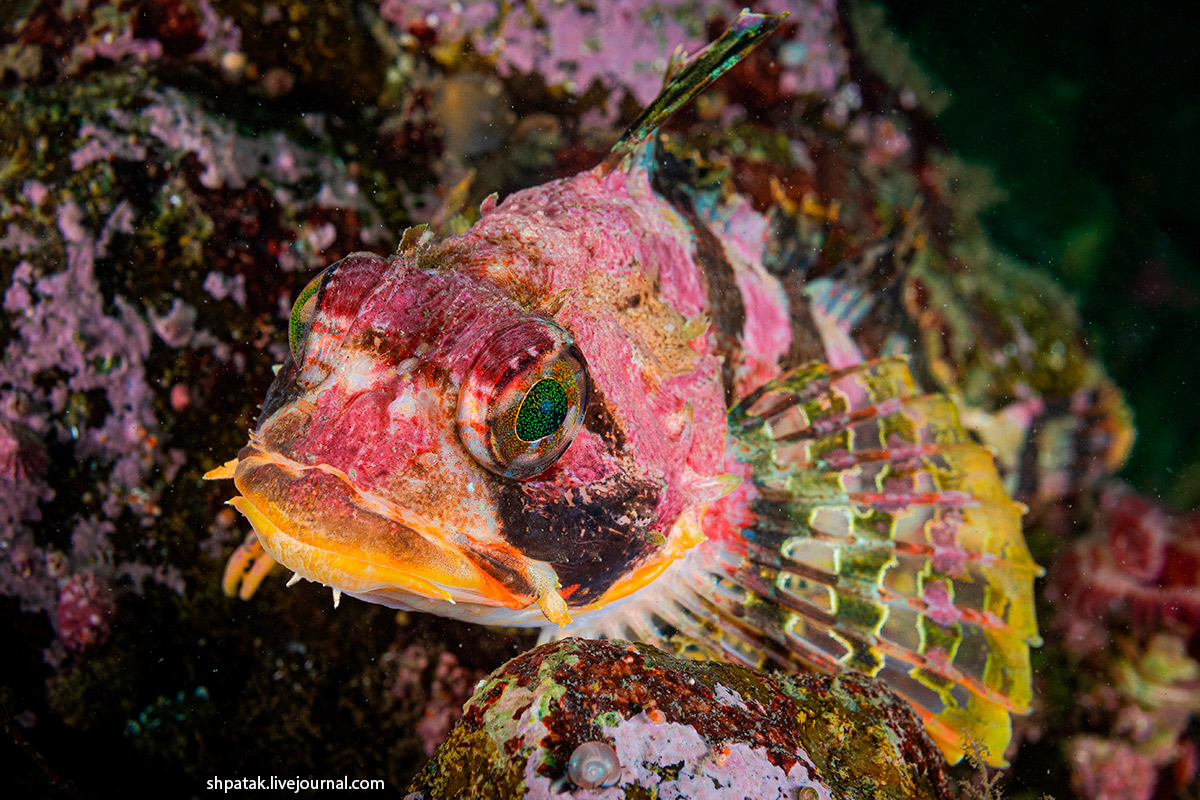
<point>597,412</point>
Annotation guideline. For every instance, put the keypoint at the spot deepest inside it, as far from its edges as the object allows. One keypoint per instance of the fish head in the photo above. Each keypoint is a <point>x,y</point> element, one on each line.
<point>514,425</point>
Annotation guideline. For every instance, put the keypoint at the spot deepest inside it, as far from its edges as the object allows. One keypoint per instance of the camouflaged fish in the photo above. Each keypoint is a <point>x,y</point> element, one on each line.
<point>586,413</point>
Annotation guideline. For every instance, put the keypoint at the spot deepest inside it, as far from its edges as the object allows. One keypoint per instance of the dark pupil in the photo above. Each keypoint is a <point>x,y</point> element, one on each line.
<point>542,411</point>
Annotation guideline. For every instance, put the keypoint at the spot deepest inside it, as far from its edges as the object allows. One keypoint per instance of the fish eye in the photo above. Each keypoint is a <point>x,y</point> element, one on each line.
<point>523,399</point>
<point>304,311</point>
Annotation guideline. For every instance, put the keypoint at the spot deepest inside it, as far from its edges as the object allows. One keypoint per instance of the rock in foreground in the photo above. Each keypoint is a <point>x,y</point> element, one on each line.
<point>679,729</point>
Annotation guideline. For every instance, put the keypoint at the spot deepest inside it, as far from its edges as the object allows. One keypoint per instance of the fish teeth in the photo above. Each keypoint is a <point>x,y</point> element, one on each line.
<point>292,581</point>
<point>337,597</point>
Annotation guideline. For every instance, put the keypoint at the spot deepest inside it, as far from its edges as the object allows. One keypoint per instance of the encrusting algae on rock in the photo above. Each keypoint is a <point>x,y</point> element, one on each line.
<point>679,729</point>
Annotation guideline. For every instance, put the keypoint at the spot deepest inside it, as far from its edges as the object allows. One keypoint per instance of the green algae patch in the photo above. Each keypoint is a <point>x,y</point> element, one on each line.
<point>609,719</point>
<point>468,764</point>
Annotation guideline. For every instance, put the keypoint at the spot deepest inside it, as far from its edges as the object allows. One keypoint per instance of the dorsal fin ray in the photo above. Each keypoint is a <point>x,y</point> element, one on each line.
<point>747,32</point>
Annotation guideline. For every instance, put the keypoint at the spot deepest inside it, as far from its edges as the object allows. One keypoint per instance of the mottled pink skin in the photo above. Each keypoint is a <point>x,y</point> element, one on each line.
<point>680,277</point>
<point>446,313</point>
<point>589,462</point>
<point>376,392</point>
<point>768,332</point>
<point>583,226</point>
<point>615,226</point>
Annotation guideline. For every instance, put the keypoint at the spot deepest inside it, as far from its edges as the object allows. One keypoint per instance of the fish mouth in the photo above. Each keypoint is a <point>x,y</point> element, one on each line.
<point>316,522</point>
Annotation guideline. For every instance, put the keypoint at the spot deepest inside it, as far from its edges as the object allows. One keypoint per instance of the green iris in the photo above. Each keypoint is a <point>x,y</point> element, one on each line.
<point>542,411</point>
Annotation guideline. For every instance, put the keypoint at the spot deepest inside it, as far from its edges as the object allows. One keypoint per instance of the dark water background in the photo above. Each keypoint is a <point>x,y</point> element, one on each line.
<point>1089,115</point>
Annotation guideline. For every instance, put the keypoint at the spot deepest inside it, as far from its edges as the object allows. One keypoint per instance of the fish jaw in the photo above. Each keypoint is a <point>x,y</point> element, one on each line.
<point>317,523</point>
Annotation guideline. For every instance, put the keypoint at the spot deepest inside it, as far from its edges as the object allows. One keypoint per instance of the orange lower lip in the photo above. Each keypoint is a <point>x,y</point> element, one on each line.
<point>313,521</point>
<point>354,575</point>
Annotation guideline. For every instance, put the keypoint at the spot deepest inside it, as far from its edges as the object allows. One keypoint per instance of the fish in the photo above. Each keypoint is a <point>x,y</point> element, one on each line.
<point>596,412</point>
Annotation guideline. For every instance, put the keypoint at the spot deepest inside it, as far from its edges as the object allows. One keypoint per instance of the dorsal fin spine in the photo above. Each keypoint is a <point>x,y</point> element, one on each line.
<point>747,32</point>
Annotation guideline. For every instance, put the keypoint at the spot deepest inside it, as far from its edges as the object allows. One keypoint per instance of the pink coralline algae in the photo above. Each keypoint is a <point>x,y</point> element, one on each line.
<point>100,346</point>
<point>623,45</point>
<point>132,34</point>
<point>448,687</point>
<point>1146,698</point>
<point>85,611</point>
<point>222,286</point>
<point>1108,770</point>
<point>452,685</point>
<point>63,327</point>
<point>1127,601</point>
<point>1140,568</point>
<point>883,139</point>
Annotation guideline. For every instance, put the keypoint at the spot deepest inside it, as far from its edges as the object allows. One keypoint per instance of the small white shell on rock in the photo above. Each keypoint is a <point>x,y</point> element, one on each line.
<point>593,765</point>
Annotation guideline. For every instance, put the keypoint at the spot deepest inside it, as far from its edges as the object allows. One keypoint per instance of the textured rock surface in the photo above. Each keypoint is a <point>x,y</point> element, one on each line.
<point>681,729</point>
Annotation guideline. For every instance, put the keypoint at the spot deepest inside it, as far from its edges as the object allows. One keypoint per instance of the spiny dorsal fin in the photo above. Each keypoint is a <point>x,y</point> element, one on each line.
<point>746,33</point>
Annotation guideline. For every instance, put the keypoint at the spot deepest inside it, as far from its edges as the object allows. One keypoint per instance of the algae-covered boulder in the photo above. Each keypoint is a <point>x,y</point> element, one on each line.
<point>677,729</point>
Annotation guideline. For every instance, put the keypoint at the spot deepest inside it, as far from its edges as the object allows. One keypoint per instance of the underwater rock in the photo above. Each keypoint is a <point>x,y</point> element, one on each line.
<point>612,45</point>
<point>147,244</point>
<point>680,729</point>
<point>53,39</point>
